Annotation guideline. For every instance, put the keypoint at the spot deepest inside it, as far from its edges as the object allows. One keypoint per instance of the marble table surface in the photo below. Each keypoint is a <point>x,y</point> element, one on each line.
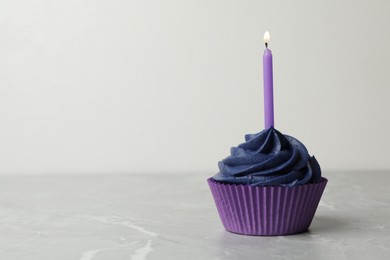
<point>151,216</point>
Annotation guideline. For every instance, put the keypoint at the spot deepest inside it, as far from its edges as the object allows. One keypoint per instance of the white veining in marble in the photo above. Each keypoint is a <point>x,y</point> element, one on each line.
<point>327,205</point>
<point>89,255</point>
<point>140,229</point>
<point>141,253</point>
<point>143,217</point>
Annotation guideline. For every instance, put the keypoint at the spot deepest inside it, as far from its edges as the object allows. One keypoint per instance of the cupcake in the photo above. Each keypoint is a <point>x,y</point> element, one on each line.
<point>268,186</point>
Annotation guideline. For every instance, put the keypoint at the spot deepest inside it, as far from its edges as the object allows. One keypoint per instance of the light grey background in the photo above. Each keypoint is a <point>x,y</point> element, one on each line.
<point>168,86</point>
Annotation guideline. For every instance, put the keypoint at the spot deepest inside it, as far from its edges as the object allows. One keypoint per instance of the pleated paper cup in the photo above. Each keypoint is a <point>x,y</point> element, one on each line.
<point>266,210</point>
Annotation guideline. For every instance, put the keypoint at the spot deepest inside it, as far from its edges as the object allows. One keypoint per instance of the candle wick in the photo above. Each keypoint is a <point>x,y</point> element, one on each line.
<point>266,44</point>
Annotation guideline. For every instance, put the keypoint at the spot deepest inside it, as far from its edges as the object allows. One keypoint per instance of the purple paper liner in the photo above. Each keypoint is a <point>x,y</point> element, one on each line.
<point>266,210</point>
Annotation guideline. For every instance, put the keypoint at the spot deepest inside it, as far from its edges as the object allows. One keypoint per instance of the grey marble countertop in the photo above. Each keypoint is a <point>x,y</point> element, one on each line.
<point>145,216</point>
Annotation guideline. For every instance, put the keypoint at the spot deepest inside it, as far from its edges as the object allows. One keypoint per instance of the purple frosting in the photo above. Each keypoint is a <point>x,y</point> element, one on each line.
<point>269,158</point>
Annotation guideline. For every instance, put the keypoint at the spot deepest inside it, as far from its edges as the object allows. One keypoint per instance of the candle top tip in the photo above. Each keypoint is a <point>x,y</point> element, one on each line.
<point>266,38</point>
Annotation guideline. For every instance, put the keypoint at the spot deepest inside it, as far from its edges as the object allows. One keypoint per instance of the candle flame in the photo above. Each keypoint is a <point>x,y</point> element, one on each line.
<point>267,37</point>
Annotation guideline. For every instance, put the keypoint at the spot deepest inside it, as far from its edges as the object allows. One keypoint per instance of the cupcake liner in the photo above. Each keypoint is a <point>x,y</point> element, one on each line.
<point>266,210</point>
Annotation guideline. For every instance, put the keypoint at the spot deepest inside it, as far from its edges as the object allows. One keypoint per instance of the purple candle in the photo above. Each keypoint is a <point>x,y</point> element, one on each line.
<point>268,84</point>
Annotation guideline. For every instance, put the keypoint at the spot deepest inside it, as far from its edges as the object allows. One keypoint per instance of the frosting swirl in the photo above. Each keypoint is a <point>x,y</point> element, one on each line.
<point>269,158</point>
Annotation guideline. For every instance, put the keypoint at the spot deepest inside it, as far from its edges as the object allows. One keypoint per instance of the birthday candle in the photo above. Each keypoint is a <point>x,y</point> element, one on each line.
<point>268,84</point>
